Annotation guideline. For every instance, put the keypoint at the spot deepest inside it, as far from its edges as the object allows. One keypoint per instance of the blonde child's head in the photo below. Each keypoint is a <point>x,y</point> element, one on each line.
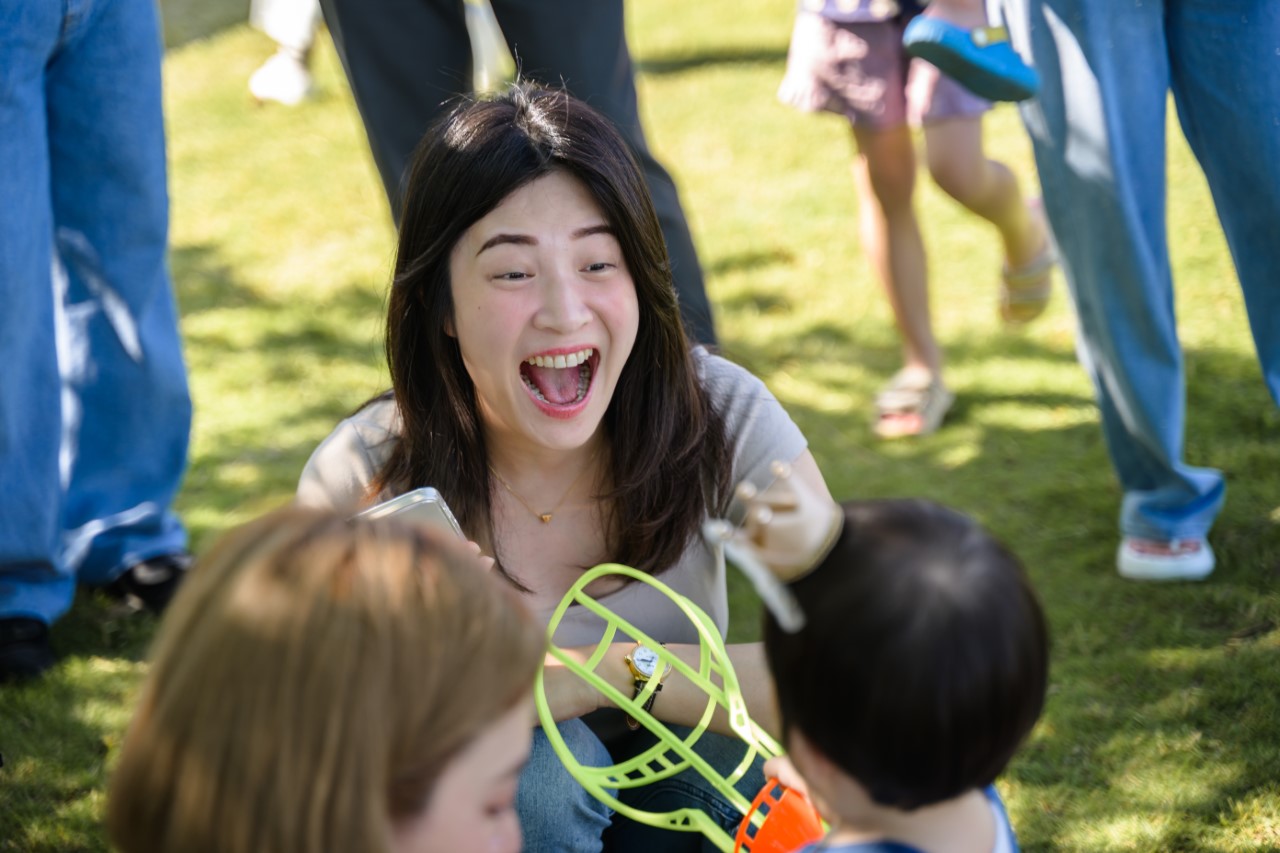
<point>312,685</point>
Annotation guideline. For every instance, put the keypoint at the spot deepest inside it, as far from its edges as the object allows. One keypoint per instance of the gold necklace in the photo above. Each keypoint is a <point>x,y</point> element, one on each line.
<point>544,517</point>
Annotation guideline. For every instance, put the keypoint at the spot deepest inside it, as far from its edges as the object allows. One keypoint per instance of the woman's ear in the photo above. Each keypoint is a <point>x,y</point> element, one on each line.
<point>448,327</point>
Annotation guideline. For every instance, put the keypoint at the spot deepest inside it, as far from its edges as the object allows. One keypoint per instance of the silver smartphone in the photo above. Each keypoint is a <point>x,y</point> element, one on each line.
<point>425,504</point>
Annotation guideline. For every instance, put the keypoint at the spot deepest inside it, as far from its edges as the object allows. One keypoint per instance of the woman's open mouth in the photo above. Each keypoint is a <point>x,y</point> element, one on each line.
<point>560,382</point>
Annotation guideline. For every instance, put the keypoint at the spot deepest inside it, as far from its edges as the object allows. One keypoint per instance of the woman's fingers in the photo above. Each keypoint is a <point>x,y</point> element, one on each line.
<point>485,562</point>
<point>788,524</point>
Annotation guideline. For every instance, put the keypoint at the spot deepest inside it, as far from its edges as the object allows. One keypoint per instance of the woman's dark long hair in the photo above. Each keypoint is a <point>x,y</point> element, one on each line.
<point>669,456</point>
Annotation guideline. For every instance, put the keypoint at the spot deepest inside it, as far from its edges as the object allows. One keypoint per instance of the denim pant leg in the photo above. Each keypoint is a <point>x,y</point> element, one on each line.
<point>1225,57</point>
<point>556,813</point>
<point>685,790</point>
<point>32,582</point>
<point>126,411</point>
<point>1098,133</point>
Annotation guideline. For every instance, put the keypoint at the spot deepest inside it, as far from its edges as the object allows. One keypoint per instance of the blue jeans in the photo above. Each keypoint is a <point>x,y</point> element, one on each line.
<point>1098,130</point>
<point>94,409</point>
<point>557,814</point>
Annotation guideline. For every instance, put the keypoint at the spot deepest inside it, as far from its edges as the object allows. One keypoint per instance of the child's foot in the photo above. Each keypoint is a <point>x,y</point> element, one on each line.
<point>1025,287</point>
<point>912,404</point>
<point>980,59</point>
<point>283,78</point>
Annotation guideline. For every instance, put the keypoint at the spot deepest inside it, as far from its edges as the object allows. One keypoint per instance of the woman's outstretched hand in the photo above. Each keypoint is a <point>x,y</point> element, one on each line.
<point>792,524</point>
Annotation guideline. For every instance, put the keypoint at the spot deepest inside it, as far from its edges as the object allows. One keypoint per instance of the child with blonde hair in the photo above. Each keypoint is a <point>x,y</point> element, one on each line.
<point>325,684</point>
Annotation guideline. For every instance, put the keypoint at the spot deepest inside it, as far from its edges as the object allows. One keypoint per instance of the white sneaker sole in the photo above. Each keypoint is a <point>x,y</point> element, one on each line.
<point>1138,566</point>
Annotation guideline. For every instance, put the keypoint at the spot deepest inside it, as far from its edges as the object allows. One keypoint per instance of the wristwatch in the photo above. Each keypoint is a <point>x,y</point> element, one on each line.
<point>643,663</point>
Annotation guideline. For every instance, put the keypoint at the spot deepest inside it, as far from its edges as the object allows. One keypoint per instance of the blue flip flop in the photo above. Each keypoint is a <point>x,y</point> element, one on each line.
<point>981,59</point>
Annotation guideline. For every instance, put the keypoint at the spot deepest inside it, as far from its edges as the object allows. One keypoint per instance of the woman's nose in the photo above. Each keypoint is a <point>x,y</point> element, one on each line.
<point>563,307</point>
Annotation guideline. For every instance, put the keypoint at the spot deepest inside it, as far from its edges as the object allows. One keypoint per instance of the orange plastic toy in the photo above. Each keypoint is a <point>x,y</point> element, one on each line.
<point>790,822</point>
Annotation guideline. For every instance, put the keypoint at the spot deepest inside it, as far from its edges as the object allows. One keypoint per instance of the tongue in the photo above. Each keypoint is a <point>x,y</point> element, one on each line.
<point>558,384</point>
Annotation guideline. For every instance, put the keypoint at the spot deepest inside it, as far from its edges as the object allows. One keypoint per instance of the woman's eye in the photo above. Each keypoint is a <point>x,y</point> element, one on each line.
<point>511,276</point>
<point>601,266</point>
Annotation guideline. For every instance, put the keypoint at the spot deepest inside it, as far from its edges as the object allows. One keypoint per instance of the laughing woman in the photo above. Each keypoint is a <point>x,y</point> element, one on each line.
<point>542,382</point>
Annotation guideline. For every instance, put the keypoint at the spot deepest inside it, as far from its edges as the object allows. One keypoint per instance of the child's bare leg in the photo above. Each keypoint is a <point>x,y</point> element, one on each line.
<point>884,172</point>
<point>956,161</point>
<point>953,150</point>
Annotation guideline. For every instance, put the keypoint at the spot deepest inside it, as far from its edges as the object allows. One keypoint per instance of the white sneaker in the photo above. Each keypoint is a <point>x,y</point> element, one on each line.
<point>1149,560</point>
<point>283,79</point>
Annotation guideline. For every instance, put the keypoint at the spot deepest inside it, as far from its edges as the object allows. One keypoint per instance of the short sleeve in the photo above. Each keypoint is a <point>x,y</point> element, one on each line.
<point>340,470</point>
<point>759,429</point>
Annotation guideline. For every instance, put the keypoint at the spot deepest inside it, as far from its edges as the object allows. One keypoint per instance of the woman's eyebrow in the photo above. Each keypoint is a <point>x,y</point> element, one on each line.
<point>529,240</point>
<point>500,239</point>
<point>602,228</point>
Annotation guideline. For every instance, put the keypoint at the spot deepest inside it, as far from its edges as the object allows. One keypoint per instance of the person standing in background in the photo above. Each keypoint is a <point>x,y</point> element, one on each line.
<point>406,59</point>
<point>1098,130</point>
<point>94,409</point>
<point>848,58</point>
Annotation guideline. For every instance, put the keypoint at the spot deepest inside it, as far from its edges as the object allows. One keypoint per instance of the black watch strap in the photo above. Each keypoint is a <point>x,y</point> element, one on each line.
<point>632,722</point>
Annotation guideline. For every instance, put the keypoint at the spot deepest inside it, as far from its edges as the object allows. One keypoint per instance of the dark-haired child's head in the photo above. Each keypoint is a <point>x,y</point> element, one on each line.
<point>924,659</point>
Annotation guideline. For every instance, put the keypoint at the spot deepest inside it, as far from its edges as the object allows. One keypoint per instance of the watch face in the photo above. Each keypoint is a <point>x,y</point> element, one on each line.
<point>645,659</point>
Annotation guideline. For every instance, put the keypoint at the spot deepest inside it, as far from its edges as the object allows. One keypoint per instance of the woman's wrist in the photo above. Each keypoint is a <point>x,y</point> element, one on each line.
<point>612,668</point>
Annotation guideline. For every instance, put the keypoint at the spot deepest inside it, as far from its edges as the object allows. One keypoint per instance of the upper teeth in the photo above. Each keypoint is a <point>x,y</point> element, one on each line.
<point>573,359</point>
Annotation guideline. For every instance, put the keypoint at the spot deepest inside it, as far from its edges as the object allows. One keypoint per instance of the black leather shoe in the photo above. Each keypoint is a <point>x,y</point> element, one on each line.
<point>153,581</point>
<point>24,648</point>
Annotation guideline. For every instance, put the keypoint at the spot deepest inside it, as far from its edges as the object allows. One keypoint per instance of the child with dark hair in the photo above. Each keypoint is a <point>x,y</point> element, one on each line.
<point>921,668</point>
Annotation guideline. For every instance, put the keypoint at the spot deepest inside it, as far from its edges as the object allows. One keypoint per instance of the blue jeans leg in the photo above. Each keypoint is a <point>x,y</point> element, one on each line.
<point>1098,134</point>
<point>556,813</point>
<point>1230,112</point>
<point>31,581</point>
<point>85,258</point>
<point>685,790</point>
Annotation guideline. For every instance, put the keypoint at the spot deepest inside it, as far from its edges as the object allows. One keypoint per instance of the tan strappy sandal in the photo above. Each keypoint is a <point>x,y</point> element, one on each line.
<point>906,396</point>
<point>1025,291</point>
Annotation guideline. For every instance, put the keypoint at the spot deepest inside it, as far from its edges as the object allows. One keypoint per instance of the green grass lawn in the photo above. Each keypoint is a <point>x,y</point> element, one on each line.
<point>1162,730</point>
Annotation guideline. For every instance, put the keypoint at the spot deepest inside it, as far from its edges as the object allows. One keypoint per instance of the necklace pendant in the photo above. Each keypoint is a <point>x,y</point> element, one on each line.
<point>544,517</point>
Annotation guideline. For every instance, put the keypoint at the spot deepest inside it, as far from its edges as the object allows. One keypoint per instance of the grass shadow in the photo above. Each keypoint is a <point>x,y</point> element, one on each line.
<point>676,63</point>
